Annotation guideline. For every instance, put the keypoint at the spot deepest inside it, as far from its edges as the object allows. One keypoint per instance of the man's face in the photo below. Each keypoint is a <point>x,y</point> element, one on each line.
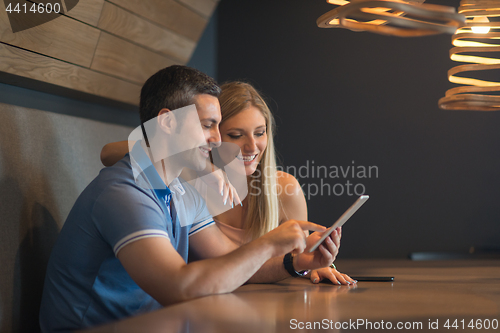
<point>191,135</point>
<point>208,108</point>
<point>197,142</point>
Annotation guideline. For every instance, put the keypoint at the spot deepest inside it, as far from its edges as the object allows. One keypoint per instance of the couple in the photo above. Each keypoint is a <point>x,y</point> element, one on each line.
<point>123,248</point>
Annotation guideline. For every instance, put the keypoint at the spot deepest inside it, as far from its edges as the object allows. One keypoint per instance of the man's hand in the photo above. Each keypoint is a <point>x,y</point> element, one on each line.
<point>290,237</point>
<point>323,256</point>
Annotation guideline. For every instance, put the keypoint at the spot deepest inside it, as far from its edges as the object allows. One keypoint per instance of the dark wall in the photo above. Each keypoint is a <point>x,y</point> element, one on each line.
<point>345,99</point>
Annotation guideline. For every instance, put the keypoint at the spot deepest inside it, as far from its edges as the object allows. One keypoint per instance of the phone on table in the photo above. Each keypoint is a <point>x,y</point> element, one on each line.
<point>343,219</point>
<point>373,278</point>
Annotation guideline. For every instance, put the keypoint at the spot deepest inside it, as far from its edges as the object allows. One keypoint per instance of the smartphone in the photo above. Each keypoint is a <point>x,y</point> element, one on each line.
<point>343,219</point>
<point>373,278</point>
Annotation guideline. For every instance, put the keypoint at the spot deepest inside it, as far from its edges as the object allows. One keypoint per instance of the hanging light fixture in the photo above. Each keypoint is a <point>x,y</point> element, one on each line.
<point>475,44</point>
<point>407,18</point>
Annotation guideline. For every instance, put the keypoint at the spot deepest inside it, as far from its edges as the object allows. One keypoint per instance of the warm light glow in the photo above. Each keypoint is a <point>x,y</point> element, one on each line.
<point>475,59</point>
<point>338,2</point>
<point>481,29</point>
<point>463,43</point>
<point>472,82</point>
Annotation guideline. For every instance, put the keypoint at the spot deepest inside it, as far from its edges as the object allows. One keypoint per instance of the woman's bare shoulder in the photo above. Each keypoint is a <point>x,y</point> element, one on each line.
<point>293,203</point>
<point>288,183</point>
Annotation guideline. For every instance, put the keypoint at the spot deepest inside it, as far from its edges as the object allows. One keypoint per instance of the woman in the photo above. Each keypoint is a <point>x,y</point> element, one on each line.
<point>273,196</point>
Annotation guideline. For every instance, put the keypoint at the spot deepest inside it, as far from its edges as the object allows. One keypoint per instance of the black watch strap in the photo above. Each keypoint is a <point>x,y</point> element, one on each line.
<point>288,263</point>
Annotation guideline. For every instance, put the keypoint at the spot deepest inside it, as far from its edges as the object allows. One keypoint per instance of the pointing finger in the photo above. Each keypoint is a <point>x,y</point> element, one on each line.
<point>310,226</point>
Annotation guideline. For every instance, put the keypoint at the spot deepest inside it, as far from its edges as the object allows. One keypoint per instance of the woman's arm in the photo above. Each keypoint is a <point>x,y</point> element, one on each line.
<point>294,206</point>
<point>113,152</point>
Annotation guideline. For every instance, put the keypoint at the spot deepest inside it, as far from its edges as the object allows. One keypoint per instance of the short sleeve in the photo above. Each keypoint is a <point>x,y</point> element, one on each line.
<point>201,217</point>
<point>124,213</point>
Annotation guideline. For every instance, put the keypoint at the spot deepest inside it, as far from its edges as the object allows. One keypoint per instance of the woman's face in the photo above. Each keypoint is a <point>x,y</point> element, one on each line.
<point>247,129</point>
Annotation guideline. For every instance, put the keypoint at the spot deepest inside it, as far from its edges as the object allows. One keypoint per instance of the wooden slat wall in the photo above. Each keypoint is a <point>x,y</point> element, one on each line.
<point>107,48</point>
<point>117,57</point>
<point>168,13</point>
<point>87,11</point>
<point>63,38</point>
<point>123,23</point>
<point>38,67</point>
<point>203,7</point>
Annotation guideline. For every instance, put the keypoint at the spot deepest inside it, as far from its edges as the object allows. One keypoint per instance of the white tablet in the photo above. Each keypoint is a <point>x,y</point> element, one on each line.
<point>343,219</point>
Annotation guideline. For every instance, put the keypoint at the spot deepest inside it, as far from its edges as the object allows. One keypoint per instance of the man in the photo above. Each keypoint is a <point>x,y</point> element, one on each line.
<point>124,246</point>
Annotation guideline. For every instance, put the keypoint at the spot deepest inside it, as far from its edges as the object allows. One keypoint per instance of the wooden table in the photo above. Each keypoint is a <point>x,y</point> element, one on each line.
<point>423,296</point>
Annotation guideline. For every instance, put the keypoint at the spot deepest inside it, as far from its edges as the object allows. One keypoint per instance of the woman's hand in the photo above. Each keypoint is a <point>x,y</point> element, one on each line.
<point>219,181</point>
<point>331,274</point>
<point>323,256</point>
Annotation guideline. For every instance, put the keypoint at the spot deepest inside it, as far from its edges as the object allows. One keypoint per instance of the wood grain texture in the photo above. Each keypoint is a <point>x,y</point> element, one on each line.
<point>125,60</point>
<point>87,11</point>
<point>107,48</point>
<point>141,31</point>
<point>203,7</point>
<point>421,293</point>
<point>169,14</point>
<point>63,38</point>
<point>38,67</point>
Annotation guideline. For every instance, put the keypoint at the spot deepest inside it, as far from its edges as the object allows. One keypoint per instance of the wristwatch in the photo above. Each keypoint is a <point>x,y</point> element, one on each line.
<point>288,263</point>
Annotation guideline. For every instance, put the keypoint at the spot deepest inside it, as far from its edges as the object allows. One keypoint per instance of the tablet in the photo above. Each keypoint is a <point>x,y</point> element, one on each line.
<point>343,219</point>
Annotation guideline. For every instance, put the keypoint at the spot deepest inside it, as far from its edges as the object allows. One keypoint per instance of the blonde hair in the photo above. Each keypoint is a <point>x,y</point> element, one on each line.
<point>263,207</point>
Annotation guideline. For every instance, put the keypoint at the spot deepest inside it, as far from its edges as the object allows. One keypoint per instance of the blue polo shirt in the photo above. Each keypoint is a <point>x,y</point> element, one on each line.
<point>85,284</point>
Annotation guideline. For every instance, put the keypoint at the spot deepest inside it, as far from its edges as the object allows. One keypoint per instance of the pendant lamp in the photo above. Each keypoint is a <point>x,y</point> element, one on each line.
<point>392,17</point>
<point>477,45</point>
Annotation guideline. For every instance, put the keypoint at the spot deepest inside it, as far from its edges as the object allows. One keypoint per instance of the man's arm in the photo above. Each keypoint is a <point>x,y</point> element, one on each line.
<point>160,271</point>
<point>211,242</point>
<point>273,270</point>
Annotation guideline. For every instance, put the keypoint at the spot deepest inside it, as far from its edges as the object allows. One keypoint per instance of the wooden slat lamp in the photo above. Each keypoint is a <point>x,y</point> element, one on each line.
<point>478,45</point>
<point>408,18</point>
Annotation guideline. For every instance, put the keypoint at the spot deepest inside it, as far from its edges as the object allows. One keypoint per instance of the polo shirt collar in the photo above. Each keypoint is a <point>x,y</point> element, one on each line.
<point>146,175</point>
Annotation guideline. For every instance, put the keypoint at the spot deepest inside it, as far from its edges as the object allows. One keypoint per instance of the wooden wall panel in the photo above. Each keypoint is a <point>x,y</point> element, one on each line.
<point>87,11</point>
<point>123,59</point>
<point>168,13</point>
<point>42,68</point>
<point>141,31</point>
<point>63,38</point>
<point>203,7</point>
<point>107,48</point>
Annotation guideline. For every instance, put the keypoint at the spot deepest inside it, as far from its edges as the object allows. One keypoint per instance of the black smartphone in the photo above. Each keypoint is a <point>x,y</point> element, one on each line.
<point>373,278</point>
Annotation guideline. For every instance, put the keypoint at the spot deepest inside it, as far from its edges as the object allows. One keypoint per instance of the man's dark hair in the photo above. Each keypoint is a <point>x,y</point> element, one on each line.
<point>172,88</point>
